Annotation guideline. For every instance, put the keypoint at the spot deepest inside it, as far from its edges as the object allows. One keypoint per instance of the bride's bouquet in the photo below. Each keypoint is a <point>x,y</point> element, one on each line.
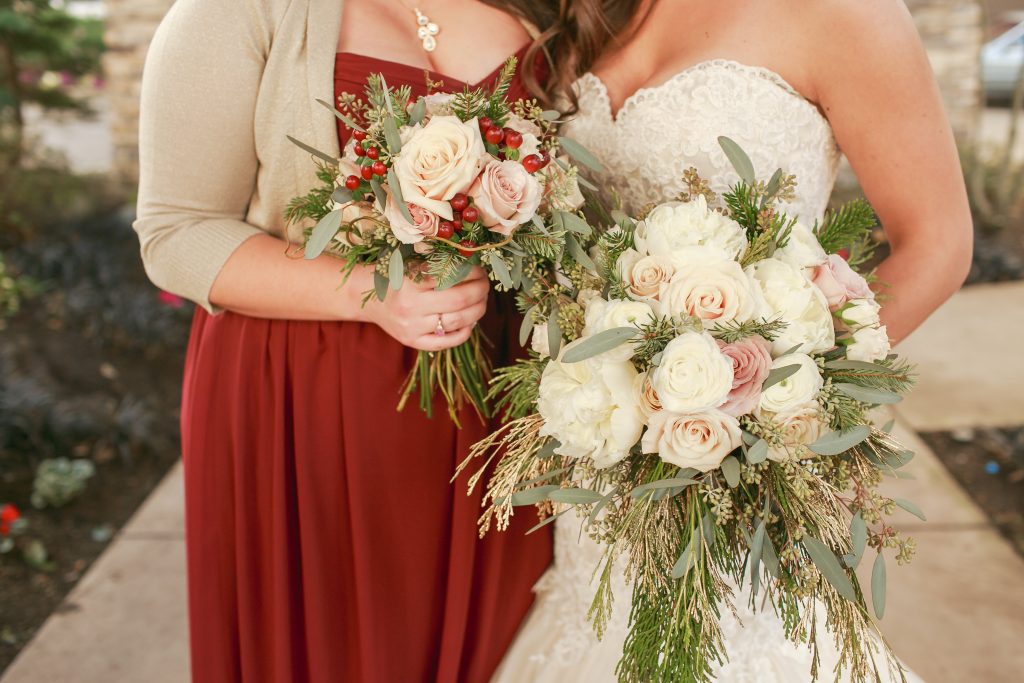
<point>702,397</point>
<point>434,185</point>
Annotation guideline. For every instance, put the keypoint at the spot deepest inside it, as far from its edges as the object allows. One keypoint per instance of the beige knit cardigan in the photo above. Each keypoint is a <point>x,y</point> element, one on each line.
<point>225,81</point>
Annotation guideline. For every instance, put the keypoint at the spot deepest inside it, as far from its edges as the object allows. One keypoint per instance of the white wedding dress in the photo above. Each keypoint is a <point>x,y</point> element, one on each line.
<point>659,133</point>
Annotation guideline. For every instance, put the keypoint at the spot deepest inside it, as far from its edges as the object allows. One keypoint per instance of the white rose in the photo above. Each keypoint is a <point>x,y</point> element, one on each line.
<point>442,159</point>
<point>539,340</point>
<point>859,313</point>
<point>700,439</point>
<point>786,293</point>
<point>798,389</point>
<point>644,275</point>
<point>800,426</point>
<point>693,374</point>
<point>604,315</point>
<point>870,344</point>
<point>682,224</point>
<point>591,408</point>
<point>716,292</point>
<point>802,250</point>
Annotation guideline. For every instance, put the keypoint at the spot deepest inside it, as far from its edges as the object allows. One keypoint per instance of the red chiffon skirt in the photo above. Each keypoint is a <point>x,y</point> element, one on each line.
<point>325,540</point>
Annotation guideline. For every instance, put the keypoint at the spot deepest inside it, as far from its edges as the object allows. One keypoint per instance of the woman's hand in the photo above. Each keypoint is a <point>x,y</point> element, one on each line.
<point>411,314</point>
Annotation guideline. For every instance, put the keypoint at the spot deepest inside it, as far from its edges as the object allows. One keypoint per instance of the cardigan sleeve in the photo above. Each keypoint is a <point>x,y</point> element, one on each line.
<point>197,153</point>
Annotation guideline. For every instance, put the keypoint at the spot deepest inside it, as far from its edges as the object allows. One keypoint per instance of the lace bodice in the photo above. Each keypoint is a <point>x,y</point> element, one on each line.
<point>661,131</point>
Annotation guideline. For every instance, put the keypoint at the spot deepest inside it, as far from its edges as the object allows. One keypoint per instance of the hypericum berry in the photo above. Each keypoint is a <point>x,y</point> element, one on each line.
<point>513,138</point>
<point>485,123</point>
<point>467,243</point>
<point>494,135</point>
<point>358,149</point>
<point>352,182</point>
<point>545,157</point>
<point>446,229</point>
<point>457,218</point>
<point>359,135</point>
<point>366,172</point>
<point>533,163</point>
<point>470,214</point>
<point>373,153</point>
<point>459,202</point>
<point>379,168</point>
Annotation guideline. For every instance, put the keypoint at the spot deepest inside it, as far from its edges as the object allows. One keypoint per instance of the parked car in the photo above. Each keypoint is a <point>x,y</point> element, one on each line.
<point>1002,59</point>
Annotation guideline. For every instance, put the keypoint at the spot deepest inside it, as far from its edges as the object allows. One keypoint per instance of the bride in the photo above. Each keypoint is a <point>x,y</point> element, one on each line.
<point>793,82</point>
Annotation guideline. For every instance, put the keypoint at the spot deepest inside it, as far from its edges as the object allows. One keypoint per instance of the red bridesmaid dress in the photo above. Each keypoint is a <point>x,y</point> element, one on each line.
<point>325,541</point>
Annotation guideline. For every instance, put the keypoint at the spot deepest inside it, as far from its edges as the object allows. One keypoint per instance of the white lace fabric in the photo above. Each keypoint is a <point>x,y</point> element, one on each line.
<point>659,133</point>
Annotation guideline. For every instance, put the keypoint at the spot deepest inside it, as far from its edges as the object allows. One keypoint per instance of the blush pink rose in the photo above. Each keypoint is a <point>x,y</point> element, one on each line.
<point>506,195</point>
<point>839,282</point>
<point>751,362</point>
<point>424,223</point>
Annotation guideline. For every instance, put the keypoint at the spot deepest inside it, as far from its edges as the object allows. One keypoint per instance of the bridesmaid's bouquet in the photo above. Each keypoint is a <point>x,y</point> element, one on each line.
<point>700,394</point>
<point>434,185</point>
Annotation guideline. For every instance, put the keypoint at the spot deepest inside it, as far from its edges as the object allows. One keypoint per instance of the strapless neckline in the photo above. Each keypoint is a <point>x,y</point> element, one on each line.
<point>708,64</point>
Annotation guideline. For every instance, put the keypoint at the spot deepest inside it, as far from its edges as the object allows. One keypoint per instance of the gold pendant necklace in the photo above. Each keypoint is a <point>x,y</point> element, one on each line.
<point>427,30</point>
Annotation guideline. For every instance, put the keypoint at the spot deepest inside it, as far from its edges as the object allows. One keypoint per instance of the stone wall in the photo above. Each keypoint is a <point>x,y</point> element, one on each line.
<point>952,31</point>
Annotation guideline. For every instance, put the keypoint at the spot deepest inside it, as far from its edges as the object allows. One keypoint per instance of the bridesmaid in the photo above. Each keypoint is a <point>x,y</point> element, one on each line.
<point>325,541</point>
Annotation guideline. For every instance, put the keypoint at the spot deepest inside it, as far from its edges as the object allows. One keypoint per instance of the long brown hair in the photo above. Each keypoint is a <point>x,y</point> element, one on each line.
<point>572,34</point>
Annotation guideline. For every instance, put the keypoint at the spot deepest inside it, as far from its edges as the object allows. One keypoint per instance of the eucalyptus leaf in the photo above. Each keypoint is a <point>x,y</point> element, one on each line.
<point>517,270</point>
<point>887,427</point>
<point>878,582</point>
<point>600,505</point>
<point>380,285</point>
<point>770,557</point>
<point>574,223</point>
<point>756,551</point>
<point>554,334</point>
<point>391,135</point>
<point>684,562</point>
<point>418,111</point>
<point>671,483</point>
<point>396,194</point>
<point>868,394</point>
<point>542,478</point>
<point>758,452</point>
<point>500,268</point>
<point>834,443</point>
<point>749,438</point>
<point>544,522</point>
<point>739,160</point>
<point>396,270</point>
<point>387,95</point>
<point>548,449</point>
<point>897,460</point>
<point>911,508</point>
<point>774,183</point>
<point>580,154</point>
<point>575,496</point>
<point>378,192</point>
<point>550,115</point>
<point>599,343</point>
<point>779,374</point>
<point>586,183</point>
<point>731,470</point>
<point>576,251</point>
<point>341,195</point>
<point>322,234</point>
<point>526,327</point>
<point>347,120</point>
<point>532,496</point>
<point>324,156</point>
<point>859,538</point>
<point>856,365</point>
<point>828,564</point>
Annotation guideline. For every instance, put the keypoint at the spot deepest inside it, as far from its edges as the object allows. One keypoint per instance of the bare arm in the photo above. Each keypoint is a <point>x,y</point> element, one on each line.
<point>877,89</point>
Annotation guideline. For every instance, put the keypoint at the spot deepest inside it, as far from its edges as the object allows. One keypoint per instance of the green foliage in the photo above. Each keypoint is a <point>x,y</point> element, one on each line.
<point>547,246</point>
<point>316,203</point>
<point>734,331</point>
<point>847,225</point>
<point>14,290</point>
<point>59,481</point>
<point>515,388</point>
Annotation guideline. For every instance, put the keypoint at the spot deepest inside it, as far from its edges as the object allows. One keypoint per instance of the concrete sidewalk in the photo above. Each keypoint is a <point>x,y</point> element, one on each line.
<point>955,614</point>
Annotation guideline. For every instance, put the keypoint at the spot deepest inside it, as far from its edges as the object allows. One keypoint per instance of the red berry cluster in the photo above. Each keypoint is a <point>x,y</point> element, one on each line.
<point>463,214</point>
<point>370,152</point>
<point>8,516</point>
<point>498,136</point>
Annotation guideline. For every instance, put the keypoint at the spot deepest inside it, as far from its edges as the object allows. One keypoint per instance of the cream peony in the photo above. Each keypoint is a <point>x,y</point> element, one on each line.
<point>506,196</point>
<point>870,344</point>
<point>716,292</point>
<point>692,374</point>
<point>424,223</point>
<point>442,159</point>
<point>643,276</point>
<point>602,315</point>
<point>751,362</point>
<point>798,389</point>
<point>802,249</point>
<point>800,426</point>
<point>787,294</point>
<point>700,439</point>
<point>683,224</point>
<point>591,408</point>
<point>839,282</point>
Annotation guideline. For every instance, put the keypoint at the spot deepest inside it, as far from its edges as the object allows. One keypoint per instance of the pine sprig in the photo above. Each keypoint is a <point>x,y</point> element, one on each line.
<point>896,376</point>
<point>546,246</point>
<point>847,225</point>
<point>743,203</point>
<point>733,331</point>
<point>515,388</point>
<point>445,265</point>
<point>316,203</point>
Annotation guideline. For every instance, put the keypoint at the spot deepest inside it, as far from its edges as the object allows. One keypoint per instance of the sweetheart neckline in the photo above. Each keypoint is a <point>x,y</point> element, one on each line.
<point>767,74</point>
